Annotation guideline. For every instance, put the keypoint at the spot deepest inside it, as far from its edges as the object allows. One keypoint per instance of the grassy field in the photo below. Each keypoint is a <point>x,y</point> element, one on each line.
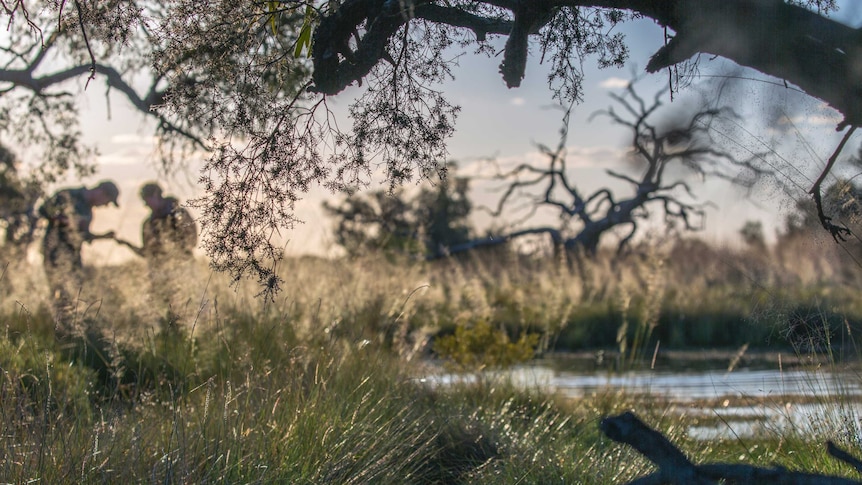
<point>324,384</point>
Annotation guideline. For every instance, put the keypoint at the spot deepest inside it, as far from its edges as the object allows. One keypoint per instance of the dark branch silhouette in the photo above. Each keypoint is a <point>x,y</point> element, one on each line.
<point>839,233</point>
<point>687,145</point>
<point>776,38</point>
<point>676,468</point>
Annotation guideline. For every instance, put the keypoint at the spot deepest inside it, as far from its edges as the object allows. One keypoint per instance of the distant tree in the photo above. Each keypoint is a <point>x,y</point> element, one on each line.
<point>443,211</point>
<point>662,158</point>
<point>377,221</point>
<point>426,224</point>
<point>752,235</point>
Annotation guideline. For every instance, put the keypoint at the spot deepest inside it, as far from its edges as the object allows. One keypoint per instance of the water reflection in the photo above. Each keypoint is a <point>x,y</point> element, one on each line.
<point>744,402</point>
<point>676,385</point>
<point>704,385</point>
<point>815,402</point>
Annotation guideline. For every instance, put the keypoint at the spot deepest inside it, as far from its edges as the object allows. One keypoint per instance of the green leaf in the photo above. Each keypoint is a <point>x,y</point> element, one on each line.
<point>272,7</point>
<point>304,40</point>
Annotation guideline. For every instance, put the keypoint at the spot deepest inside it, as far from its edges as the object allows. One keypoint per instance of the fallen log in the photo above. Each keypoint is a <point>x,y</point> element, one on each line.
<point>676,468</point>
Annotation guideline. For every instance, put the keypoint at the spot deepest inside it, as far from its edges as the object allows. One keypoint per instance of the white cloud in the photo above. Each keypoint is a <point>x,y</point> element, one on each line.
<point>599,156</point>
<point>816,120</point>
<point>517,101</point>
<point>614,83</point>
<point>132,139</point>
<point>577,157</point>
<point>129,156</point>
<point>814,114</point>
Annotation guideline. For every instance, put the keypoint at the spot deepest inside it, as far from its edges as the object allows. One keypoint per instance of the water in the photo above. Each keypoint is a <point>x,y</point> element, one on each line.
<point>743,402</point>
<point>709,385</point>
<point>808,401</point>
<point>681,386</point>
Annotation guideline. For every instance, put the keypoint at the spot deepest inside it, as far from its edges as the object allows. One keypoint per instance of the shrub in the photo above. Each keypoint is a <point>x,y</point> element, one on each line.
<point>478,346</point>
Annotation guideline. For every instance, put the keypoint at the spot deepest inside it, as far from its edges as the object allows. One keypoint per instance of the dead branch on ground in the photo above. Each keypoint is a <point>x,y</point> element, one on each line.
<point>676,468</point>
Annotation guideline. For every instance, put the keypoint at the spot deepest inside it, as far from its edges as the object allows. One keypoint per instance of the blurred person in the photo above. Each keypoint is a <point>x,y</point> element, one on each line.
<point>170,231</point>
<point>169,236</point>
<point>69,213</point>
<point>19,194</point>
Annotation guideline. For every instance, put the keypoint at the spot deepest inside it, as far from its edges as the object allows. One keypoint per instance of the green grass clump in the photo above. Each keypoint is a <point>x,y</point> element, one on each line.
<point>337,414</point>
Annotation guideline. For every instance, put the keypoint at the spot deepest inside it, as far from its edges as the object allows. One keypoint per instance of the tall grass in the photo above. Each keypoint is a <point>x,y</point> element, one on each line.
<point>325,384</point>
<point>283,412</point>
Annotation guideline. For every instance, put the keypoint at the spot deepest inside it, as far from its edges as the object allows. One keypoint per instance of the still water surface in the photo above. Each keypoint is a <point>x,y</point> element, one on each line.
<point>704,385</point>
<point>745,401</point>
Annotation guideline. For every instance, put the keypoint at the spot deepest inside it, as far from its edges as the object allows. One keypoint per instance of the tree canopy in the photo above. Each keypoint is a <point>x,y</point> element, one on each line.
<point>230,77</point>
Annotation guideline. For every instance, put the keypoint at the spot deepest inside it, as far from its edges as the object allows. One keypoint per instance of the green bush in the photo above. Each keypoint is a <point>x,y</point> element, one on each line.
<point>477,345</point>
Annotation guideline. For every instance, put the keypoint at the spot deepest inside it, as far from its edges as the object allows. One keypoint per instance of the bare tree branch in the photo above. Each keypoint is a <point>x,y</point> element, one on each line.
<point>838,232</point>
<point>685,143</point>
<point>675,467</point>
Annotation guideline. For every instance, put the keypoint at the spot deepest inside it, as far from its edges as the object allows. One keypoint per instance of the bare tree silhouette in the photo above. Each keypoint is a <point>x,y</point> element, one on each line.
<point>662,158</point>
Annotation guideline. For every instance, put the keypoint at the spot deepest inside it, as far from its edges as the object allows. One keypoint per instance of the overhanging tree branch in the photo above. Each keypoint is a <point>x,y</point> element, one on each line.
<point>838,232</point>
<point>146,104</point>
<point>776,38</point>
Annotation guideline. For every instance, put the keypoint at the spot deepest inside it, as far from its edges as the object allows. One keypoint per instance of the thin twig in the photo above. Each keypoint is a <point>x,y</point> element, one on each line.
<point>839,233</point>
<point>87,43</point>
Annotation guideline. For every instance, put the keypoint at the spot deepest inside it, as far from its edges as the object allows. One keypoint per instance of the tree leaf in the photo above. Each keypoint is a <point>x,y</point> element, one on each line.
<point>304,40</point>
<point>272,7</point>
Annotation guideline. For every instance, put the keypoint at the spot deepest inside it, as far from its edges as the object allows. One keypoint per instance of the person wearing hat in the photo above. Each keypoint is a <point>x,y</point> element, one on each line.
<point>170,231</point>
<point>69,213</point>
<point>169,237</point>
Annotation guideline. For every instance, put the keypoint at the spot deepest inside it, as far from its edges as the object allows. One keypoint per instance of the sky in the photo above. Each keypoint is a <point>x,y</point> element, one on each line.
<point>506,124</point>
